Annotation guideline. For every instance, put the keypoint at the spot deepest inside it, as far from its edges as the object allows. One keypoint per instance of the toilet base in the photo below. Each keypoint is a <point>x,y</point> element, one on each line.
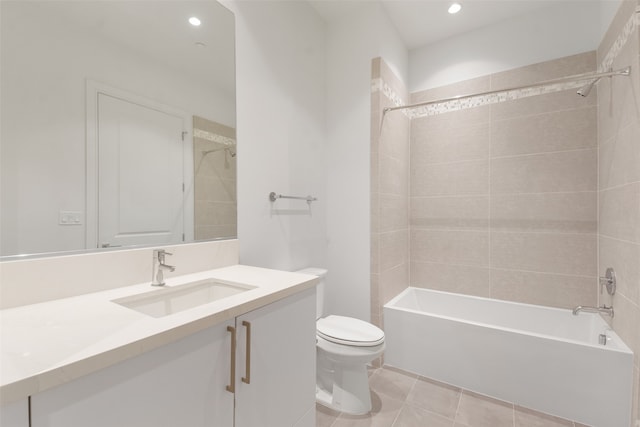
<point>344,387</point>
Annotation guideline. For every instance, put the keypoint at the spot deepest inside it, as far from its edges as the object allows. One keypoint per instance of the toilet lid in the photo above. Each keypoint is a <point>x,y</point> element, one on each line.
<point>349,331</point>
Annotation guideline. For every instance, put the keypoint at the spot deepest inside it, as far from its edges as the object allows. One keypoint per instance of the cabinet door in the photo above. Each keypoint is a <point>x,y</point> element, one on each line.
<point>15,414</point>
<point>180,384</point>
<point>281,387</point>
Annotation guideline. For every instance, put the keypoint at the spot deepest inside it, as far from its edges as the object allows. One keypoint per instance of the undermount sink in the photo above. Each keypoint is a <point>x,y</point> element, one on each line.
<point>165,301</point>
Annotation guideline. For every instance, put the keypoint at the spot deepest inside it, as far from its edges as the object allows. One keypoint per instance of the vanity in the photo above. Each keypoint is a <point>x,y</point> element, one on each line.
<point>226,346</point>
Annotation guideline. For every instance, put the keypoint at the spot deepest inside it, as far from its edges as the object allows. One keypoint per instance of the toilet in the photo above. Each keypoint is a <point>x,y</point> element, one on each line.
<point>344,347</point>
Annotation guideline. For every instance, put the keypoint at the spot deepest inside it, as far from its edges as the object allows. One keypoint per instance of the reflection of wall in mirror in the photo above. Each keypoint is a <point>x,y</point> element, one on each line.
<point>45,65</point>
<point>214,158</point>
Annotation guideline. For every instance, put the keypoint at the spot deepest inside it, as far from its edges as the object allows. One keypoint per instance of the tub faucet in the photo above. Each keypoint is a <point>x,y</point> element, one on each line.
<point>157,278</point>
<point>604,309</point>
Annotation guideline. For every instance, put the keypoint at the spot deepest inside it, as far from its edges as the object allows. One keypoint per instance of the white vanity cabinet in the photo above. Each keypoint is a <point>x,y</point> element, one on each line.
<point>15,414</point>
<point>281,388</point>
<point>180,384</point>
<point>187,382</point>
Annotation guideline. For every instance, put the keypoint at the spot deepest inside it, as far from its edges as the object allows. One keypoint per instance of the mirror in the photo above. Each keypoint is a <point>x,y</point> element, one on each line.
<point>117,124</point>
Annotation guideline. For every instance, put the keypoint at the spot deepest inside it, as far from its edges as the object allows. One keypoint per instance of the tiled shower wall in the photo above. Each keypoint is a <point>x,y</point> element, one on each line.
<point>619,178</point>
<point>215,198</point>
<point>525,199</point>
<point>503,195</point>
<point>389,190</point>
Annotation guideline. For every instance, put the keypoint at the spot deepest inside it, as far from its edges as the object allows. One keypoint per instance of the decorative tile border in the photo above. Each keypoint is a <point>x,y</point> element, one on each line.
<point>481,100</point>
<point>378,85</point>
<point>621,40</point>
<point>213,137</point>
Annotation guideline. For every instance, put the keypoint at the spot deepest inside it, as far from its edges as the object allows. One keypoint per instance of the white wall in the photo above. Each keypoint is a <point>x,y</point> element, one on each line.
<point>45,64</point>
<point>280,98</point>
<point>542,35</point>
<point>352,42</point>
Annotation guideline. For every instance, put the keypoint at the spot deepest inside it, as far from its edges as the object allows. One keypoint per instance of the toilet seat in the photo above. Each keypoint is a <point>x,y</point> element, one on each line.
<point>349,331</point>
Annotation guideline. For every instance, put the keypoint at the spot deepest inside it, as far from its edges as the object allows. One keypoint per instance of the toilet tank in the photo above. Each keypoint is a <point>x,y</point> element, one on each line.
<point>320,273</point>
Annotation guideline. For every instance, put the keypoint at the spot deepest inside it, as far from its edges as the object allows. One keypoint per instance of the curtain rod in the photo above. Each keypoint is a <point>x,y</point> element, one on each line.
<point>621,72</point>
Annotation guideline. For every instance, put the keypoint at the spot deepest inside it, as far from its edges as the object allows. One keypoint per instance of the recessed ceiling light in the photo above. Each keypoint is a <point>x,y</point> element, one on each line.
<point>455,8</point>
<point>194,21</point>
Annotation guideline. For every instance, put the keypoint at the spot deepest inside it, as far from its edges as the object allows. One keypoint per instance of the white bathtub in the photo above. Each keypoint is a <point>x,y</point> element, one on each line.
<point>542,358</point>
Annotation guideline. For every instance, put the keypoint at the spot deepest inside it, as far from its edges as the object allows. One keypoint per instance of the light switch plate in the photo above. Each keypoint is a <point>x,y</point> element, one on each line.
<point>70,218</point>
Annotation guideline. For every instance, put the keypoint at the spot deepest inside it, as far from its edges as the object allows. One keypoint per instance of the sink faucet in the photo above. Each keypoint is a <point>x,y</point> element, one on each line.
<point>604,309</point>
<point>157,278</point>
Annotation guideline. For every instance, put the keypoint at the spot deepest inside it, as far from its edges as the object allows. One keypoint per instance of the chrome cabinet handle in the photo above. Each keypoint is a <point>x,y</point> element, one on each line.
<point>232,386</point>
<point>247,379</point>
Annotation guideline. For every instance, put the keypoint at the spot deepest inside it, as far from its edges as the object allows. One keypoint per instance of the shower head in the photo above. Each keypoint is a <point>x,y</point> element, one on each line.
<point>586,89</point>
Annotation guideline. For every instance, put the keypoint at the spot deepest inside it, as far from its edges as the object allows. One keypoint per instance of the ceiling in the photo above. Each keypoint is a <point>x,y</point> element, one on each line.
<point>422,22</point>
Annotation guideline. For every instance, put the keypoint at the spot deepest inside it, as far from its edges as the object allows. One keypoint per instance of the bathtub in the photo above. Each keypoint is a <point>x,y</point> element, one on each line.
<point>538,357</point>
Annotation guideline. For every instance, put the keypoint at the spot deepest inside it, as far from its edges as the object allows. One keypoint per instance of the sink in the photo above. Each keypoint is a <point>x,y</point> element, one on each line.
<point>169,300</point>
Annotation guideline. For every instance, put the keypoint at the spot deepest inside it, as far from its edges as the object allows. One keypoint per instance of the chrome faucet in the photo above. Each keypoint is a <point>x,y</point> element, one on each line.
<point>157,278</point>
<point>604,309</point>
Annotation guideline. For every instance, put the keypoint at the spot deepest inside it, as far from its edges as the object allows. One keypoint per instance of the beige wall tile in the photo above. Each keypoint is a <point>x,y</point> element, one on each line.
<point>557,101</point>
<point>393,281</point>
<point>619,158</point>
<point>545,212</point>
<point>573,254</point>
<point>375,253</point>
<point>466,87</point>
<point>550,172</point>
<point>461,178</point>
<point>624,258</point>
<point>393,249</point>
<point>460,279</point>
<point>450,247</point>
<point>394,175</point>
<point>620,212</point>
<point>466,117</point>
<point>375,67</point>
<point>394,136</point>
<point>215,213</point>
<point>553,131</point>
<point>394,212</point>
<point>556,68</point>
<point>543,289</point>
<point>454,212</point>
<point>626,9</point>
<point>214,189</point>
<point>375,212</point>
<point>440,144</point>
<point>619,97</point>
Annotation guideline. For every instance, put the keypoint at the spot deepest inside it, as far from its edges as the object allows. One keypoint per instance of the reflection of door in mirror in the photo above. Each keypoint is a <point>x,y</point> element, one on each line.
<point>214,156</point>
<point>140,174</point>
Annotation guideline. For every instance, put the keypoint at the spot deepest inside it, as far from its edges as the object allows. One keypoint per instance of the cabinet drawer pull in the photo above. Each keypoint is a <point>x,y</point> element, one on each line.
<point>247,379</point>
<point>232,387</point>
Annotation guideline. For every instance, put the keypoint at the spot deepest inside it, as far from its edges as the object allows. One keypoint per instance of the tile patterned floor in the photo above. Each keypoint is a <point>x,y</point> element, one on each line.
<point>406,400</point>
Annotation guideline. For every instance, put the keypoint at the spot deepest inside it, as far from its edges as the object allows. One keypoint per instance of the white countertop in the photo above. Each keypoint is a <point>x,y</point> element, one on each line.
<point>48,344</point>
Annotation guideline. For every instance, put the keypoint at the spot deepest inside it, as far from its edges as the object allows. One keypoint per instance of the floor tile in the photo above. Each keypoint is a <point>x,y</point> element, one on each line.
<point>528,418</point>
<point>383,413</point>
<point>436,397</point>
<point>392,383</point>
<point>413,416</point>
<point>325,417</point>
<point>480,411</point>
<point>402,399</point>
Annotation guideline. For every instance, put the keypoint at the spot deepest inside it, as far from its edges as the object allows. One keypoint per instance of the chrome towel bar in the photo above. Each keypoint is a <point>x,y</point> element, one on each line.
<point>273,197</point>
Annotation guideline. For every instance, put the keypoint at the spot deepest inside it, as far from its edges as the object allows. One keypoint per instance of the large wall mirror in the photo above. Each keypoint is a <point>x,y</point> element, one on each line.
<point>117,124</point>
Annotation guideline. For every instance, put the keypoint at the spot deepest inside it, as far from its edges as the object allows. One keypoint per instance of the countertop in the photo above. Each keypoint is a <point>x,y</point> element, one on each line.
<point>54,342</point>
